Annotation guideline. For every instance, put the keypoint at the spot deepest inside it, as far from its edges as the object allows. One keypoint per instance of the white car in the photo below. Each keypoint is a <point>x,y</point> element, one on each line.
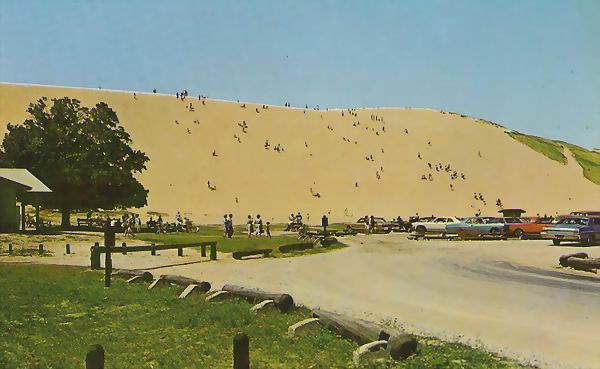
<point>437,225</point>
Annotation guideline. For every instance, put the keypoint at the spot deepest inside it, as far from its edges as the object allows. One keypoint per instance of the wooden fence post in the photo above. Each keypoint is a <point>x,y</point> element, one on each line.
<point>109,243</point>
<point>241,351</point>
<point>94,359</point>
<point>153,250</point>
<point>203,250</point>
<point>41,249</point>
<point>67,249</point>
<point>124,248</point>
<point>180,251</point>
<point>95,256</point>
<point>213,251</point>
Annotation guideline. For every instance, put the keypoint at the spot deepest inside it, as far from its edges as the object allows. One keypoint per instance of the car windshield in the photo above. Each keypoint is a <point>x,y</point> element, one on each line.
<point>578,221</point>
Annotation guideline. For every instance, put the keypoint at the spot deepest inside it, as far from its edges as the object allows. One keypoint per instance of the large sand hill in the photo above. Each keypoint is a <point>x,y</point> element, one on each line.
<point>324,151</point>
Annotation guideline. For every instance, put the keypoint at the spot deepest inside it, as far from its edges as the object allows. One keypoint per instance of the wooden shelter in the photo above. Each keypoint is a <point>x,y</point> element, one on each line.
<point>18,185</point>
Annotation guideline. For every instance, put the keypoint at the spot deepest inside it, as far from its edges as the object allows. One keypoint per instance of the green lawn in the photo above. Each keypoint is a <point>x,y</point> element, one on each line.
<point>239,242</point>
<point>51,314</point>
<point>549,148</point>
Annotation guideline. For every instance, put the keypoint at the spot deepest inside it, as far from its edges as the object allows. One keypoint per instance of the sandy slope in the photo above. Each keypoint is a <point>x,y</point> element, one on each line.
<point>274,184</point>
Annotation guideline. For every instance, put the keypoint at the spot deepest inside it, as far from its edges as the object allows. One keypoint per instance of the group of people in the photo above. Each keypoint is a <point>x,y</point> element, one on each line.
<point>254,226</point>
<point>294,222</point>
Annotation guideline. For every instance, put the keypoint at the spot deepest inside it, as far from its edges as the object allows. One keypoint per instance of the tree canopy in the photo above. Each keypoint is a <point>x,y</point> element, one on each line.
<point>83,154</point>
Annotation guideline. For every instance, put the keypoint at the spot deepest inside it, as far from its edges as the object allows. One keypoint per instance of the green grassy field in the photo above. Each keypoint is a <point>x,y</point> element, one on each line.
<point>239,241</point>
<point>548,148</point>
<point>588,160</point>
<point>52,314</point>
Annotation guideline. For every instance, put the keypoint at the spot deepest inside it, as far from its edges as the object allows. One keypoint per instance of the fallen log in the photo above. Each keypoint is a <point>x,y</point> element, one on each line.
<point>358,330</point>
<point>203,286</point>
<point>128,273</point>
<point>239,255</point>
<point>282,301</point>
<point>580,261</point>
<point>327,241</point>
<point>296,247</point>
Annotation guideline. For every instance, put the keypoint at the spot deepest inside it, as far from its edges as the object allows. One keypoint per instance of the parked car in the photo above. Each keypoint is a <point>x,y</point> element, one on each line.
<point>580,229</point>
<point>531,227</point>
<point>381,225</point>
<point>586,213</point>
<point>436,225</point>
<point>482,225</point>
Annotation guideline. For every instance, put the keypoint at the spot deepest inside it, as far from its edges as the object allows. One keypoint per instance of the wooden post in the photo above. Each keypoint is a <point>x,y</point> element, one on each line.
<point>203,250</point>
<point>10,249</point>
<point>38,221</point>
<point>180,251</point>
<point>241,351</point>
<point>124,248</point>
<point>213,251</point>
<point>94,359</point>
<point>153,251</point>
<point>95,256</point>
<point>22,216</point>
<point>109,243</point>
<point>41,249</point>
<point>67,249</point>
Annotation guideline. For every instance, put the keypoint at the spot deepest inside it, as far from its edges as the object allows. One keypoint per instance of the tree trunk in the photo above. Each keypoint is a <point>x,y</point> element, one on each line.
<point>66,219</point>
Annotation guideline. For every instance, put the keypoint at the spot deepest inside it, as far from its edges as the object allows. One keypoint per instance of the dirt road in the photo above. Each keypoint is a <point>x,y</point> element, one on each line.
<point>507,296</point>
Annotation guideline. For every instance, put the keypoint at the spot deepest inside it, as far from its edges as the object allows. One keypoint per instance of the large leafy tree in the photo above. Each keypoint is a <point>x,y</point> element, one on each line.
<point>83,154</point>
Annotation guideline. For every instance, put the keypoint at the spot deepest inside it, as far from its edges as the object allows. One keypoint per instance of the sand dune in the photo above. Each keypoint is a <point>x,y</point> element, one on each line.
<point>323,153</point>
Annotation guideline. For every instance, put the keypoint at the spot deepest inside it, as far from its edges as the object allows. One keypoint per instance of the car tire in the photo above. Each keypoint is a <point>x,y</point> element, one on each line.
<point>556,242</point>
<point>421,230</point>
<point>519,233</point>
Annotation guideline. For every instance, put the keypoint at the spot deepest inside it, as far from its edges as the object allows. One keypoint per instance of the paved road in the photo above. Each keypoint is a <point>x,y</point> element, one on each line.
<point>505,295</point>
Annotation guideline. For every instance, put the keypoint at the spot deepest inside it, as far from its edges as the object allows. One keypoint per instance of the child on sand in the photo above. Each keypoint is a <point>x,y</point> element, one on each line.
<point>268,229</point>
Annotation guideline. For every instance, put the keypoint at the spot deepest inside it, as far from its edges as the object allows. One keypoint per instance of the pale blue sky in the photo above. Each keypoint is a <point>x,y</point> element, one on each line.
<point>532,65</point>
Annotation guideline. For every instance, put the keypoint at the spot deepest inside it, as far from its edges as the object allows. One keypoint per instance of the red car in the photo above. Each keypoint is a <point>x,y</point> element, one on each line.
<point>529,228</point>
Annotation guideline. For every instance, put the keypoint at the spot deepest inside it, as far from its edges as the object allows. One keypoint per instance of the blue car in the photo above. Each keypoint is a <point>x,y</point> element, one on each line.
<point>584,230</point>
<point>481,225</point>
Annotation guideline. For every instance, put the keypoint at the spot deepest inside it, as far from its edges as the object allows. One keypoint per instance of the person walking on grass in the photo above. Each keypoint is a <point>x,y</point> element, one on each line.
<point>249,223</point>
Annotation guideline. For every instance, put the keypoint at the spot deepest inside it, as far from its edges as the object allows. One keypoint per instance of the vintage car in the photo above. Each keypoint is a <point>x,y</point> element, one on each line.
<point>381,225</point>
<point>585,230</point>
<point>436,225</point>
<point>480,225</point>
<point>529,228</point>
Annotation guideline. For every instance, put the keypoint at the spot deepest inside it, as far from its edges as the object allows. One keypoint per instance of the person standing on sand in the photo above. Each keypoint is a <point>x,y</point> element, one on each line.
<point>268,229</point>
<point>367,224</point>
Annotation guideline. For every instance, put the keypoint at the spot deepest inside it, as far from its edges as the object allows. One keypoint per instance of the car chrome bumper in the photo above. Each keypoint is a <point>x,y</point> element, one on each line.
<point>561,236</point>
